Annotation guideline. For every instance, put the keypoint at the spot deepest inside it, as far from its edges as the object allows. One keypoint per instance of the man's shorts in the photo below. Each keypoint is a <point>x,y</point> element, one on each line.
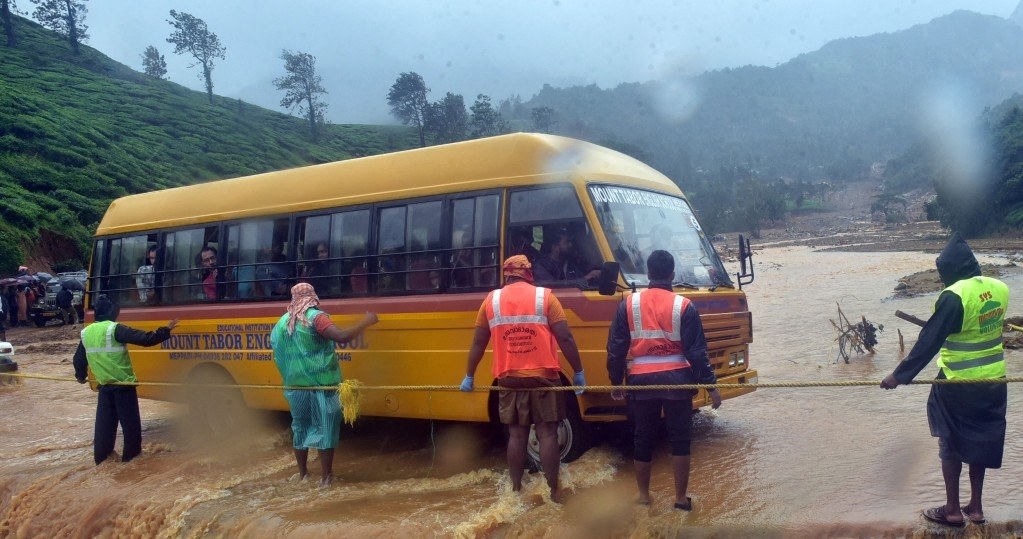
<point>528,407</point>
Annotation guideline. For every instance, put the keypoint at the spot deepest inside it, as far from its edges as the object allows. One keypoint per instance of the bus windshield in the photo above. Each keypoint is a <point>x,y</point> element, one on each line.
<point>638,222</point>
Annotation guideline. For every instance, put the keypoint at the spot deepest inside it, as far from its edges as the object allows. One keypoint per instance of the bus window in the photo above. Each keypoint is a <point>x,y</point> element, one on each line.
<point>330,247</point>
<point>349,232</point>
<point>263,251</point>
<point>552,216</point>
<point>127,255</point>
<point>101,284</point>
<point>391,249</point>
<point>424,262</point>
<point>193,269</point>
<point>474,224</point>
<point>315,258</point>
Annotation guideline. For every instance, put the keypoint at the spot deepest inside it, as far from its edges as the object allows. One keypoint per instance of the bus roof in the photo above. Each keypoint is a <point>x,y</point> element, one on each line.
<point>515,159</point>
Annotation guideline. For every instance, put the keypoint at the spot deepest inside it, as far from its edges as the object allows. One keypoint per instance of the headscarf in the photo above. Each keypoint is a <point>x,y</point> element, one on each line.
<point>518,266</point>
<point>303,296</point>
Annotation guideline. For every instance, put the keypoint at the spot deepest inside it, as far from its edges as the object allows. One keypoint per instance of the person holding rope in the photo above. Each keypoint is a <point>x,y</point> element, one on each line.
<point>303,345</point>
<point>525,321</point>
<point>967,419</point>
<point>102,350</point>
<point>663,334</point>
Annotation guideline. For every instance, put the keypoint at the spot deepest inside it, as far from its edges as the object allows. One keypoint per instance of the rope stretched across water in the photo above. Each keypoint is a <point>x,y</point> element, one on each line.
<point>349,389</point>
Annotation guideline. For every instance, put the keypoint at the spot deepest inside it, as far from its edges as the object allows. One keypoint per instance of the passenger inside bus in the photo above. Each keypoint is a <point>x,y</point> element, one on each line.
<point>317,270</point>
<point>461,260</point>
<point>520,242</point>
<point>211,275</point>
<point>276,275</point>
<point>419,272</point>
<point>562,262</point>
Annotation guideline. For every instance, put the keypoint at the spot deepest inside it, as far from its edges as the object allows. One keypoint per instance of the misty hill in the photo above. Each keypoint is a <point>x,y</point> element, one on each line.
<point>79,131</point>
<point>825,114</point>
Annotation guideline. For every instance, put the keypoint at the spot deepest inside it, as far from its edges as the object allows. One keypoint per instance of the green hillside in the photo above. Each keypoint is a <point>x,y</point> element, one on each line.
<point>79,131</point>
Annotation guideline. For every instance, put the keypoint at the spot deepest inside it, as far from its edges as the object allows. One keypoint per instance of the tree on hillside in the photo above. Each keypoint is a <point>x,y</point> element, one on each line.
<point>153,63</point>
<point>543,119</point>
<point>191,35</point>
<point>66,17</point>
<point>447,119</point>
<point>485,121</point>
<point>6,9</point>
<point>303,88</point>
<point>407,99</point>
<point>888,203</point>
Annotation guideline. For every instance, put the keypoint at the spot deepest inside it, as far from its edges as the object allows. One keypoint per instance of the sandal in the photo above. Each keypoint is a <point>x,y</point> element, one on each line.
<point>688,506</point>
<point>966,511</point>
<point>938,516</point>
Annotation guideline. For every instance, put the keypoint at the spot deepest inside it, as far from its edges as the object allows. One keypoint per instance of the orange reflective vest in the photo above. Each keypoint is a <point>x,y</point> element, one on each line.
<point>655,329</point>
<point>522,339</point>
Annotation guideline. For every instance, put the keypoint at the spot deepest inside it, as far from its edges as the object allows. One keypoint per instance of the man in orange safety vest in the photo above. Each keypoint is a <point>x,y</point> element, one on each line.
<point>662,333</point>
<point>525,322</point>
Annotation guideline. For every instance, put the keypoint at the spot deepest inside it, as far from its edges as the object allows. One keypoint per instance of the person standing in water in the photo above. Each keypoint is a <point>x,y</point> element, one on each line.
<point>303,345</point>
<point>103,351</point>
<point>526,321</point>
<point>968,420</point>
<point>663,334</point>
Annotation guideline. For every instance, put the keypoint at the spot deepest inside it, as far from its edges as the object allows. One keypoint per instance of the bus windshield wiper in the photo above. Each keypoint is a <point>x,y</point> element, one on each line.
<point>683,284</point>
<point>721,282</point>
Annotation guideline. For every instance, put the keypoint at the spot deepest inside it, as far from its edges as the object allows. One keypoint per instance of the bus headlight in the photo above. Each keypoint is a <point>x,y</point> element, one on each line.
<point>740,358</point>
<point>733,359</point>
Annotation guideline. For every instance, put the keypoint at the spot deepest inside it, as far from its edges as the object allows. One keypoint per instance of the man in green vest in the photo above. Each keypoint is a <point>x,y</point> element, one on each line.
<point>103,350</point>
<point>968,419</point>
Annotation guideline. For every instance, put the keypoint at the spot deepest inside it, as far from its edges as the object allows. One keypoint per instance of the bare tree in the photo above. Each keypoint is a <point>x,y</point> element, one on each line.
<point>191,35</point>
<point>153,63</point>
<point>66,17</point>
<point>303,87</point>
<point>6,7</point>
<point>407,99</point>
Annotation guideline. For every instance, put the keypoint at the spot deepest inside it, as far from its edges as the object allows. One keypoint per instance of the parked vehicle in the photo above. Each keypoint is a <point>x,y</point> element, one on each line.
<point>45,308</point>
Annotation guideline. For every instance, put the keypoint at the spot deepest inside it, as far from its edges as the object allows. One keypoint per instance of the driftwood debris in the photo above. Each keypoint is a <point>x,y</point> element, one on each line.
<point>859,338</point>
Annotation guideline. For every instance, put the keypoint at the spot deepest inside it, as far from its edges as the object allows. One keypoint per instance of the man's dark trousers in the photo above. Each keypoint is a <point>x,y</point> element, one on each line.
<point>117,404</point>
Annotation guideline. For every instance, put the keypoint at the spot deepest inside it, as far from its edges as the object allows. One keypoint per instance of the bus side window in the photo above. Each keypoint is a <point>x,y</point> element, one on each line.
<point>474,242</point>
<point>424,236</point>
<point>391,247</point>
<point>183,274</point>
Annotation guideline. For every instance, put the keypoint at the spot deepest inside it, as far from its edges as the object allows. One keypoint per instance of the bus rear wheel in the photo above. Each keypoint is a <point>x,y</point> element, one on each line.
<point>574,436</point>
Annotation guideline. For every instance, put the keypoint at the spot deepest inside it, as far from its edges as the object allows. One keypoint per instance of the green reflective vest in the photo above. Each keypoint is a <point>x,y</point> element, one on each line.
<point>976,351</point>
<point>108,359</point>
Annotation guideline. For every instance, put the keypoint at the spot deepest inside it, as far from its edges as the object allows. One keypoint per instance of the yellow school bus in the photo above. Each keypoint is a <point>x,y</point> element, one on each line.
<point>418,237</point>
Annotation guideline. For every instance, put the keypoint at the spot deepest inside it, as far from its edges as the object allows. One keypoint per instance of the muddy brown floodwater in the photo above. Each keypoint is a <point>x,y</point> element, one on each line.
<point>801,462</point>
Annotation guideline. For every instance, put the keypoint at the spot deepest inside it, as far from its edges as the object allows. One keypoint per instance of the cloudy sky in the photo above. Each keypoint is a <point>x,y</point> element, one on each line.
<point>494,47</point>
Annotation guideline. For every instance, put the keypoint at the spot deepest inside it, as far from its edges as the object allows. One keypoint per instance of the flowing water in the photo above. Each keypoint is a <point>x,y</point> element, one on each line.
<point>837,461</point>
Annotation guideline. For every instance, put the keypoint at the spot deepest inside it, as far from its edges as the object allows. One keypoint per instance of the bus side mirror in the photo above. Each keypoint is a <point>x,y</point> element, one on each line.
<point>745,262</point>
<point>608,282</point>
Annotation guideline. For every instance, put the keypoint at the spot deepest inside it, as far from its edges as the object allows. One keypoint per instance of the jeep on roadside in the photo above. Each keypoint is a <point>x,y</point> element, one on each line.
<point>45,308</point>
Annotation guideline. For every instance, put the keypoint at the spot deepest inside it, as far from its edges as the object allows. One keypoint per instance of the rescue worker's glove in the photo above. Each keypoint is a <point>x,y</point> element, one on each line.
<point>579,381</point>
<point>466,383</point>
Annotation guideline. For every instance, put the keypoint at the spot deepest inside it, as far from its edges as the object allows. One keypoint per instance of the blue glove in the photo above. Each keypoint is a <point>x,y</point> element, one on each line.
<point>579,380</point>
<point>466,383</point>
